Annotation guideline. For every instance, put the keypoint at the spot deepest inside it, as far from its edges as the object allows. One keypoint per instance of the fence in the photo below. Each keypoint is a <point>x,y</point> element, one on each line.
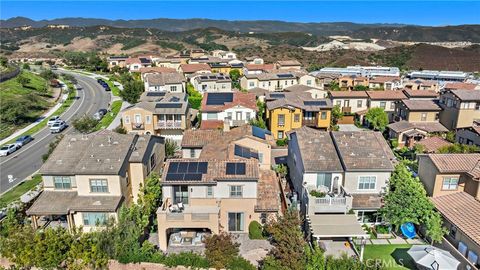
<point>9,75</point>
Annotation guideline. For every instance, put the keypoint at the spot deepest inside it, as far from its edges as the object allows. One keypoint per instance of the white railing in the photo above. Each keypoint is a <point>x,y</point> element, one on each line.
<point>169,124</point>
<point>330,201</point>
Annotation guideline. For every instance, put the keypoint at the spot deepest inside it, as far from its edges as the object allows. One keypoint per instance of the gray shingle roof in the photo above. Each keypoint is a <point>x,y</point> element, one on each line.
<point>467,95</point>
<point>162,79</point>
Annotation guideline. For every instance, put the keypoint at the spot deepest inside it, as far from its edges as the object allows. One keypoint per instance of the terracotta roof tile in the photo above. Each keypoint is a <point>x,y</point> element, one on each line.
<point>460,86</point>
<point>457,163</point>
<point>268,192</point>
<point>348,94</point>
<point>421,105</point>
<point>144,70</point>
<point>211,124</point>
<point>462,210</point>
<point>420,93</point>
<point>432,144</point>
<point>247,100</point>
<point>386,95</point>
<point>192,68</point>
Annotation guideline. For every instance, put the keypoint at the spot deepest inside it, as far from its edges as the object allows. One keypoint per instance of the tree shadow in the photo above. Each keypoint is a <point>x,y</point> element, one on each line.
<point>402,258</point>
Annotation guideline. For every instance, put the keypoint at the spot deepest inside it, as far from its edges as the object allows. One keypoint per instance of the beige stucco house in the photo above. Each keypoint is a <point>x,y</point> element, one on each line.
<point>460,108</point>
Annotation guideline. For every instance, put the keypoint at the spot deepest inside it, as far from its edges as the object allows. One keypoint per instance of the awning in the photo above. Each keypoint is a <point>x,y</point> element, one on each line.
<point>413,132</point>
<point>335,226</point>
<point>63,202</point>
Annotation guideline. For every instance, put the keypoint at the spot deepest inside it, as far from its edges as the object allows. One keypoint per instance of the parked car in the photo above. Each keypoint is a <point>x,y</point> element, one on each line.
<point>23,140</point>
<point>58,127</point>
<point>7,149</point>
<point>100,114</point>
<point>100,81</point>
<point>52,120</point>
<point>103,111</point>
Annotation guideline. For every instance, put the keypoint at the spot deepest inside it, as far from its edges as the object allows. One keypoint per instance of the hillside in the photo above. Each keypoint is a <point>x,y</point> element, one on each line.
<point>364,31</point>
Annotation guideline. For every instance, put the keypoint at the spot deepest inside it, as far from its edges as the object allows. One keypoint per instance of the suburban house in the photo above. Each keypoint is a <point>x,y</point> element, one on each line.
<point>288,64</point>
<point>254,68</point>
<point>165,82</point>
<point>168,62</point>
<point>212,82</point>
<point>154,70</point>
<point>421,85</point>
<point>366,71</point>
<point>88,177</point>
<point>444,174</point>
<point>117,61</point>
<point>288,111</point>
<point>158,113</point>
<point>415,120</point>
<point>469,135</point>
<point>385,100</point>
<point>313,91</point>
<point>228,109</point>
<point>460,108</point>
<point>270,81</point>
<point>420,94</point>
<point>245,142</point>
<point>135,63</point>
<point>460,86</point>
<point>350,102</point>
<point>460,213</point>
<point>254,60</point>
<point>348,83</point>
<point>435,75</point>
<point>384,83</point>
<point>195,68</point>
<point>224,54</point>
<point>211,196</point>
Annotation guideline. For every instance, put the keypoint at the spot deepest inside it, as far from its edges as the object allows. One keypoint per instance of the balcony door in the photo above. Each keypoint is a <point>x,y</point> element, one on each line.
<point>138,119</point>
<point>180,194</point>
<point>324,180</point>
<point>235,222</point>
<point>239,115</point>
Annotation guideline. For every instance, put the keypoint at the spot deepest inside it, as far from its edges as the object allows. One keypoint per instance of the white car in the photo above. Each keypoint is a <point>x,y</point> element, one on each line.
<point>7,149</point>
<point>58,127</point>
<point>52,120</point>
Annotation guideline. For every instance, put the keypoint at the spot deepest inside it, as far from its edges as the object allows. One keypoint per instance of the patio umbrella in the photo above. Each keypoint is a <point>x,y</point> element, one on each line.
<point>429,257</point>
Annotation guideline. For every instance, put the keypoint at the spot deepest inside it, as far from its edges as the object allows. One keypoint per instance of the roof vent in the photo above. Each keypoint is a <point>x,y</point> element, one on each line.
<point>92,156</point>
<point>109,139</point>
<point>115,142</point>
<point>111,167</point>
<point>98,160</point>
<point>101,145</point>
<point>73,139</point>
<point>97,203</point>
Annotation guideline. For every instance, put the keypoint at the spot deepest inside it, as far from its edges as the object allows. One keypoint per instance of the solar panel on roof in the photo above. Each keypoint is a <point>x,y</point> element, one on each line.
<point>260,132</point>
<point>173,167</point>
<point>186,171</point>
<point>230,169</point>
<point>285,75</point>
<point>174,177</point>
<point>315,103</point>
<point>219,98</point>
<point>202,167</point>
<point>155,94</point>
<point>204,77</point>
<point>168,105</point>
<point>193,176</point>
<point>183,167</point>
<point>192,167</point>
<point>235,168</point>
<point>240,170</point>
<point>244,152</point>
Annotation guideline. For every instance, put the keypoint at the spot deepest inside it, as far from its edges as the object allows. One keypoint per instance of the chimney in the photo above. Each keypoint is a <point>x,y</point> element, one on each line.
<point>226,126</point>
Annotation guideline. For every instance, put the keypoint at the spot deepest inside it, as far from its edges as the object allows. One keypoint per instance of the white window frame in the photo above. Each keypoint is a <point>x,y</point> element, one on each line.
<point>210,192</point>
<point>369,178</point>
<point>236,191</point>
<point>452,183</point>
<point>127,119</point>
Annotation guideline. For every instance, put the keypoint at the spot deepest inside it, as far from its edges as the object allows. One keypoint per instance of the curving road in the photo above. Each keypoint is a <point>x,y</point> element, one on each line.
<point>28,159</point>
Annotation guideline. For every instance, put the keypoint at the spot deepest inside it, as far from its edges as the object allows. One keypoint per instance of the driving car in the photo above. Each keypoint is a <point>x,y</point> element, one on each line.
<point>7,149</point>
<point>58,127</point>
<point>52,120</point>
<point>23,140</point>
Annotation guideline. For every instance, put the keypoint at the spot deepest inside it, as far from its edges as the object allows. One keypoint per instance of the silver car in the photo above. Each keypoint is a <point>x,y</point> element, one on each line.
<point>7,149</point>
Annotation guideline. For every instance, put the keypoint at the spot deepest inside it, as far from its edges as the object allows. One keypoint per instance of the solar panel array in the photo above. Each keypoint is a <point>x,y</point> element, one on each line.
<point>168,105</point>
<point>186,171</point>
<point>277,95</point>
<point>219,98</point>
<point>155,94</point>
<point>235,168</point>
<point>245,152</point>
<point>285,75</point>
<point>260,132</point>
<point>315,103</point>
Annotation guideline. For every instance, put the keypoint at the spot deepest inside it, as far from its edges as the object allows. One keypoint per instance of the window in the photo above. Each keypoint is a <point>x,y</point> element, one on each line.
<point>392,105</point>
<point>296,118</point>
<point>236,191</point>
<point>173,88</point>
<point>263,218</point>
<point>192,153</point>
<point>138,118</point>
<point>92,219</point>
<point>280,135</point>
<point>248,115</point>
<point>62,182</point>
<point>450,183</point>
<point>436,116</point>
<point>212,116</point>
<point>339,103</point>
<point>359,103</point>
<point>209,191</point>
<point>309,82</point>
<point>153,161</point>
<point>281,119</point>
<point>383,104</point>
<point>148,119</point>
<point>98,185</point>
<point>424,117</point>
<point>449,102</point>
<point>127,119</point>
<point>453,232</point>
<point>235,222</point>
<point>323,115</point>
<point>180,194</point>
<point>260,157</point>
<point>367,182</point>
<point>324,180</point>
<point>251,84</point>
<point>229,115</point>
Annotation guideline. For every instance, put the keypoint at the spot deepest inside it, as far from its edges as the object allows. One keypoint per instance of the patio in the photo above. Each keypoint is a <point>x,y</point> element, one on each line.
<point>187,240</point>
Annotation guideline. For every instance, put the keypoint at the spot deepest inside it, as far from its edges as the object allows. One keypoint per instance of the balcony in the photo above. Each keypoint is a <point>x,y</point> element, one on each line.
<point>235,123</point>
<point>138,126</point>
<point>331,203</point>
<point>168,125</point>
<point>311,122</point>
<point>191,216</point>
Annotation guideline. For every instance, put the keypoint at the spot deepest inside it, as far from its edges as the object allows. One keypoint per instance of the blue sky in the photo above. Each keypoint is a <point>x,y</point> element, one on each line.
<point>410,12</point>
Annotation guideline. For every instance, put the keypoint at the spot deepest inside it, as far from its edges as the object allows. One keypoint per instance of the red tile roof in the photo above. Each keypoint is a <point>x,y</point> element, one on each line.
<point>247,100</point>
<point>432,144</point>
<point>260,66</point>
<point>386,95</point>
<point>462,210</point>
<point>192,68</point>
<point>211,124</point>
<point>420,93</point>
<point>460,86</point>
<point>348,94</point>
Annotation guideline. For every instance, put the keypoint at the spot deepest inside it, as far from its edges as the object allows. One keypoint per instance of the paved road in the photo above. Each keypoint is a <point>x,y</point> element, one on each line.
<point>28,159</point>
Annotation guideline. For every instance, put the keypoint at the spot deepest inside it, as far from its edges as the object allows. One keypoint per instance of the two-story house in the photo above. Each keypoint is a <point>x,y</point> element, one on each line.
<point>88,177</point>
<point>245,142</point>
<point>421,94</point>
<point>269,81</point>
<point>135,63</point>
<point>154,70</point>
<point>469,135</point>
<point>444,174</point>
<point>165,82</point>
<point>348,83</point>
<point>212,196</point>
<point>386,100</point>
<point>421,85</point>
<point>350,102</point>
<point>254,60</point>
<point>288,64</point>
<point>158,113</point>
<point>415,119</point>
<point>460,108</point>
<point>288,111</point>
<point>384,83</point>
<point>257,68</point>
<point>229,109</point>
<point>195,68</point>
<point>212,82</point>
<point>117,61</point>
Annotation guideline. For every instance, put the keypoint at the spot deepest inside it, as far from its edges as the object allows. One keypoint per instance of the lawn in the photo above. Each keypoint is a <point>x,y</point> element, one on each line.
<point>115,90</point>
<point>391,257</point>
<point>16,192</point>
<point>108,118</point>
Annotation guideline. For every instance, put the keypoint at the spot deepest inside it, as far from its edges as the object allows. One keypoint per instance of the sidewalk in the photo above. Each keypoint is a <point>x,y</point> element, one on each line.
<point>117,121</point>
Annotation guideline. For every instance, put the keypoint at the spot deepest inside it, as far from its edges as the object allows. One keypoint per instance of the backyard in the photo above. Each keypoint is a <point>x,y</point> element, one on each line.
<point>390,257</point>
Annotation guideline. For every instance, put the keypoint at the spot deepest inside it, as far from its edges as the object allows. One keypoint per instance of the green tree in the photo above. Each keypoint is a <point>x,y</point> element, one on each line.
<point>258,123</point>
<point>26,66</point>
<point>360,88</point>
<point>85,124</point>
<point>220,250</point>
<point>450,136</point>
<point>194,97</point>
<point>458,148</point>
<point>334,86</point>
<point>47,74</point>
<point>171,148</point>
<point>235,76</point>
<point>3,61</point>
<point>255,230</point>
<point>315,258</point>
<point>22,80</point>
<point>377,118</point>
<point>287,241</point>
<point>132,90</point>
<point>337,115</point>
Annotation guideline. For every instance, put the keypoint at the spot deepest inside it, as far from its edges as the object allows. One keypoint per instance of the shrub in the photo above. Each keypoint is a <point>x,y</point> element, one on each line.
<point>188,259</point>
<point>318,194</point>
<point>382,229</point>
<point>255,230</point>
<point>239,263</point>
<point>220,250</point>
<point>85,124</point>
<point>282,142</point>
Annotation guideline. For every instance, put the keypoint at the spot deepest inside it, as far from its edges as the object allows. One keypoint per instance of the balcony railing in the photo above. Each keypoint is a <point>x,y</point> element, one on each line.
<point>169,124</point>
<point>138,126</point>
<point>338,203</point>
<point>309,122</point>
<point>346,109</point>
<point>235,123</point>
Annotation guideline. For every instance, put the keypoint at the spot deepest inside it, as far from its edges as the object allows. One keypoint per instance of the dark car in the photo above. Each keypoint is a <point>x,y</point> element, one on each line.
<point>23,140</point>
<point>100,81</point>
<point>103,111</point>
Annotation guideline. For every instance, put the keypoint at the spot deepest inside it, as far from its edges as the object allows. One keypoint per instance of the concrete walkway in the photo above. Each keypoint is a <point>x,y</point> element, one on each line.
<point>117,121</point>
<point>49,113</point>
